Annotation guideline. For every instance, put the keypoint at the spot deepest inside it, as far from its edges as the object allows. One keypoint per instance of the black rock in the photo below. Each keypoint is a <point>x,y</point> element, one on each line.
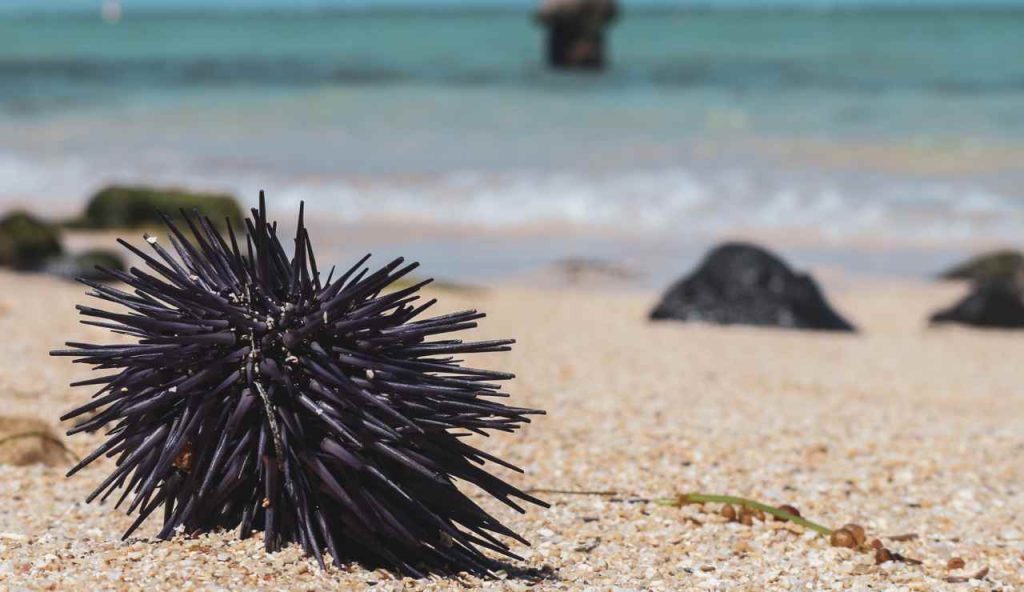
<point>988,266</point>
<point>742,284</point>
<point>997,303</point>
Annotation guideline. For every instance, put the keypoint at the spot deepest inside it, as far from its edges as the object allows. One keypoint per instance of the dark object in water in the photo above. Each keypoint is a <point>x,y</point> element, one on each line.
<point>576,31</point>
<point>988,266</point>
<point>88,265</point>
<point>997,303</point>
<point>133,207</point>
<point>742,284</point>
<point>260,397</point>
<point>26,242</point>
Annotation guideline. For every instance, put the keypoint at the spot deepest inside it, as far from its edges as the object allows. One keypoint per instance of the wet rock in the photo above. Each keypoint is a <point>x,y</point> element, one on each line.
<point>988,266</point>
<point>576,31</point>
<point>26,242</point>
<point>996,303</point>
<point>133,207</point>
<point>83,265</point>
<point>742,284</point>
<point>28,441</point>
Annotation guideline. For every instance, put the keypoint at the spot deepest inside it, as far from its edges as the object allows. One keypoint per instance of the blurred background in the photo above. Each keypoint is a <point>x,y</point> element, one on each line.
<point>880,138</point>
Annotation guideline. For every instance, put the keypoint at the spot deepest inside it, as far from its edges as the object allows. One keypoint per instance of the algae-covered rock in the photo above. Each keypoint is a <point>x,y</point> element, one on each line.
<point>996,303</point>
<point>995,265</point>
<point>132,207</point>
<point>84,265</point>
<point>26,242</point>
<point>105,258</point>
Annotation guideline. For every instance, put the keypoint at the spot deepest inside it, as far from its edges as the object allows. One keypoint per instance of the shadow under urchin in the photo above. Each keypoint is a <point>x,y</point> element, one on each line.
<point>256,396</point>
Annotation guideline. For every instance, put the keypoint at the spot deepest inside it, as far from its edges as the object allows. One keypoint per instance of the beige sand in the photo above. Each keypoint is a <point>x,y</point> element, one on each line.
<point>903,429</point>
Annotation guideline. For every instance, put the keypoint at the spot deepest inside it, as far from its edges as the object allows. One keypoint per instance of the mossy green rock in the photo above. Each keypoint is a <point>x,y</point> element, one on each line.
<point>84,265</point>
<point>133,207</point>
<point>101,258</point>
<point>26,242</point>
<point>996,265</point>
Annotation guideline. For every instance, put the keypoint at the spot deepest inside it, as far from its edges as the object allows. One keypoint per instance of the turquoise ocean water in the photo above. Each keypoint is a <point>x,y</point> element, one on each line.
<point>870,125</point>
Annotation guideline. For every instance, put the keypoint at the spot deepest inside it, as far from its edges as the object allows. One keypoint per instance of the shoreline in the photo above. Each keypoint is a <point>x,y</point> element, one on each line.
<point>567,257</point>
<point>912,192</point>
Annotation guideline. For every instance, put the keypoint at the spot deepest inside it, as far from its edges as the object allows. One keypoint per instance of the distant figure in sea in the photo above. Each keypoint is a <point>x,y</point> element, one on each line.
<point>111,11</point>
<point>576,31</point>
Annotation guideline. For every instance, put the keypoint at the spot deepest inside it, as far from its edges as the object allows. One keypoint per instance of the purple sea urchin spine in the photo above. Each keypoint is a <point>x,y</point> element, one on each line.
<point>256,396</point>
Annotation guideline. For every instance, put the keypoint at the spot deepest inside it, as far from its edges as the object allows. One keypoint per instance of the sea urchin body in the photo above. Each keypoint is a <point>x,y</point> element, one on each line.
<point>253,395</point>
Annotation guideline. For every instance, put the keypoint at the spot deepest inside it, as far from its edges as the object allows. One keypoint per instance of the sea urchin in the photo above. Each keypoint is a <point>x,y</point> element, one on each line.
<point>256,396</point>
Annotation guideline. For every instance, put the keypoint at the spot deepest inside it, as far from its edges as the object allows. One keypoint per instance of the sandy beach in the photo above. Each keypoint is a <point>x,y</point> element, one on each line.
<point>903,429</point>
<point>557,169</point>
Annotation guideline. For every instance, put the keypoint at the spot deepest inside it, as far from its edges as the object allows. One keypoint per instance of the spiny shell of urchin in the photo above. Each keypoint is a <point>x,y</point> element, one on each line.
<point>256,396</point>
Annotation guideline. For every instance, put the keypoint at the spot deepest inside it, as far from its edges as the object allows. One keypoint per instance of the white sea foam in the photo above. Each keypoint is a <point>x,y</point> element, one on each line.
<point>702,203</point>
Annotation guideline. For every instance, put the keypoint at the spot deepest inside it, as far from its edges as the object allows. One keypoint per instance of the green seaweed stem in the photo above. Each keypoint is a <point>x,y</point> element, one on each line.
<point>700,498</point>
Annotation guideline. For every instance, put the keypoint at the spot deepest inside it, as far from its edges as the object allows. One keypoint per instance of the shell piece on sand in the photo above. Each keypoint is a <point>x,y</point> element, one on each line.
<point>29,441</point>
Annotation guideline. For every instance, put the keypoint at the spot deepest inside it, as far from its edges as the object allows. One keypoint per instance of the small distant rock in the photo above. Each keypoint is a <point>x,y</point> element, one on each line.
<point>29,441</point>
<point>743,284</point>
<point>27,242</point>
<point>988,266</point>
<point>580,269</point>
<point>996,303</point>
<point>133,207</point>
<point>84,265</point>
